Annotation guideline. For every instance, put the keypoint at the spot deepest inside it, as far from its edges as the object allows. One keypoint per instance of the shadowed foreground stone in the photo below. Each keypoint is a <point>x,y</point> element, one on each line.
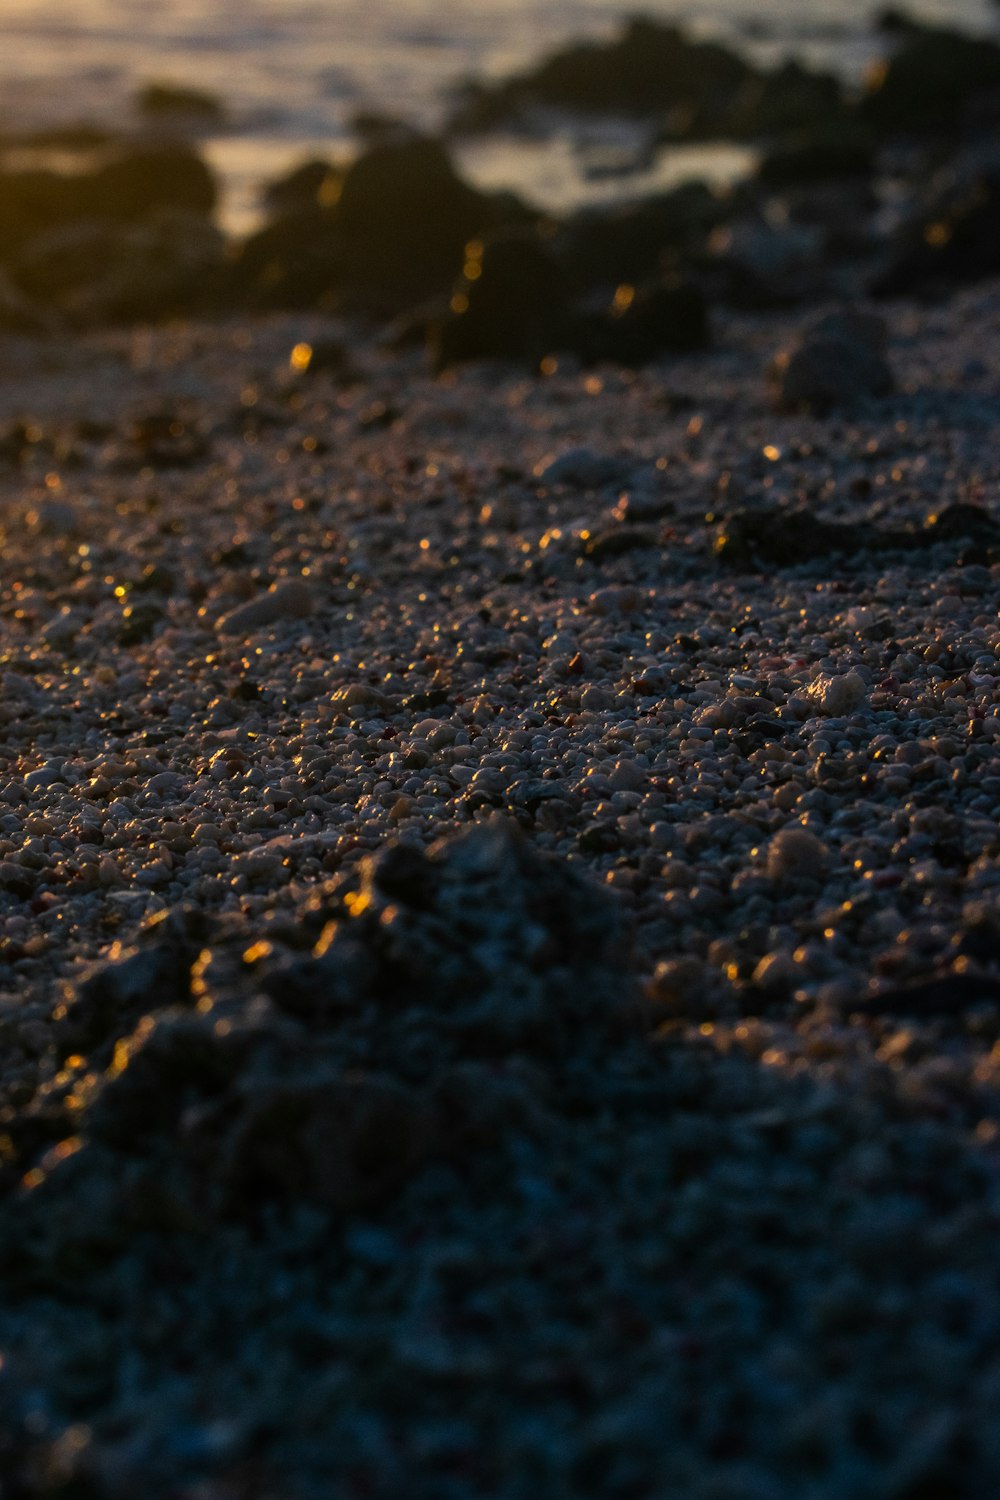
<point>321,1068</point>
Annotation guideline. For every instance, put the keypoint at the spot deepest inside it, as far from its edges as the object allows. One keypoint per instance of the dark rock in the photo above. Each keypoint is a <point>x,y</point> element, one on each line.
<point>633,243</point>
<point>779,538</point>
<point>101,271</point>
<point>644,323</point>
<point>128,239</point>
<point>928,82</point>
<point>946,995</point>
<point>313,183</point>
<point>406,215</point>
<point>839,361</point>
<point>133,183</point>
<point>164,439</point>
<point>509,304</point>
<point>649,68</point>
<point>347,1143</point>
<point>395,235</point>
<point>955,239</point>
<point>18,313</point>
<point>774,536</point>
<point>792,98</point>
<point>260,1073</point>
<point>173,101</point>
<point>153,975</point>
<point>618,540</point>
<point>817,156</point>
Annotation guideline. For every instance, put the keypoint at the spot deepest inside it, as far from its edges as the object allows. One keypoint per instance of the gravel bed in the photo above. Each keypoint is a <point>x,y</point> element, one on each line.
<point>681,1046</point>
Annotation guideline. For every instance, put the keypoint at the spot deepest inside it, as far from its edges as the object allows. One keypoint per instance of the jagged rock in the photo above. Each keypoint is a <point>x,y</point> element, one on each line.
<point>259,1073</point>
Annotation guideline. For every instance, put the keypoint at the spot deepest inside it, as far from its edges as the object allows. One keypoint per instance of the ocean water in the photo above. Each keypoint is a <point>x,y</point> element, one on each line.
<point>293,72</point>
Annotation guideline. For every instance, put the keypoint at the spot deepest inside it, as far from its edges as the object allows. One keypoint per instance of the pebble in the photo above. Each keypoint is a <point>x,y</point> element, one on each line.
<point>290,600</point>
<point>796,851</point>
<point>838,694</point>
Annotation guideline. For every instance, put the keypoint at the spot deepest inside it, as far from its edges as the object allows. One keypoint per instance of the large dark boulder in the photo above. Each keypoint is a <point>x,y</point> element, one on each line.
<point>125,186</point>
<point>603,247</point>
<point>98,271</point>
<point>395,234</point>
<point>131,184</point>
<point>823,154</point>
<point>509,304</point>
<point>649,69</point>
<point>665,316</point>
<point>791,98</point>
<point>928,83</point>
<point>954,239</point>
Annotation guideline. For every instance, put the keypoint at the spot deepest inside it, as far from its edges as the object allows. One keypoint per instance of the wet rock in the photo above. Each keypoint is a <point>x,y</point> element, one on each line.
<point>838,361</point>
<point>509,304</point>
<point>927,83</point>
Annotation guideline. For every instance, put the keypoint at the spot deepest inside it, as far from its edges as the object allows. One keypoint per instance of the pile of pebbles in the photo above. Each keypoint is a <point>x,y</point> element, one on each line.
<point>539,840</point>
